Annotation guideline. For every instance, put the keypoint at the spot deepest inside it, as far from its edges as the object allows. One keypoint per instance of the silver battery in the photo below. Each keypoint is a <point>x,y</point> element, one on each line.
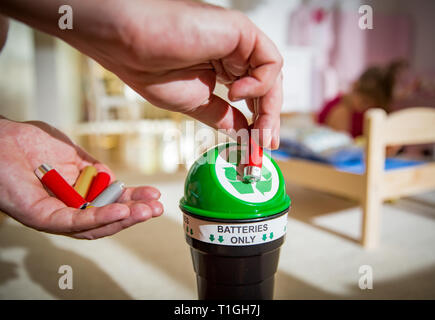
<point>251,174</point>
<point>109,195</point>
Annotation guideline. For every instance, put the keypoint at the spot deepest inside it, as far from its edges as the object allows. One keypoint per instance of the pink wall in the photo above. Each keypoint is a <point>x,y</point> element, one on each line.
<point>341,50</point>
<point>357,49</point>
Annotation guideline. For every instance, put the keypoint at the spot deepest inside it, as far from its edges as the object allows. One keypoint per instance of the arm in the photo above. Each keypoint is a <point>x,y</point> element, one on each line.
<point>172,53</point>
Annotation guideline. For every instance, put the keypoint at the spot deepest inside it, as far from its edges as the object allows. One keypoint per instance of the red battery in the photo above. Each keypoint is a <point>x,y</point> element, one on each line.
<point>255,154</point>
<point>252,171</point>
<point>60,188</point>
<point>99,183</point>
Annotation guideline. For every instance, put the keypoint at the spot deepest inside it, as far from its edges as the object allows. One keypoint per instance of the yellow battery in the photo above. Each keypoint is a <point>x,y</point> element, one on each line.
<point>84,180</point>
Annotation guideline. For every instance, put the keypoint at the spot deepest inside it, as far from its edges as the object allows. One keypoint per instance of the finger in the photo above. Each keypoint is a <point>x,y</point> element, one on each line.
<point>265,66</point>
<point>221,75</point>
<point>219,114</point>
<point>145,193</point>
<point>139,212</point>
<point>201,66</point>
<point>155,206</point>
<point>237,62</point>
<point>177,90</point>
<point>268,120</point>
<point>66,220</point>
<point>235,68</point>
<point>275,136</point>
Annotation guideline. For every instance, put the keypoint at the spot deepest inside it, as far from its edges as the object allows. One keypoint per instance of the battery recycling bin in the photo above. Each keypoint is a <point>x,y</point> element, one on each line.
<point>234,228</point>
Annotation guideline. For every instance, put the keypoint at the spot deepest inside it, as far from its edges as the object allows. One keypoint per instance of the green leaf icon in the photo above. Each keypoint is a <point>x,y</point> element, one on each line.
<point>242,187</point>
<point>231,173</point>
<point>266,184</point>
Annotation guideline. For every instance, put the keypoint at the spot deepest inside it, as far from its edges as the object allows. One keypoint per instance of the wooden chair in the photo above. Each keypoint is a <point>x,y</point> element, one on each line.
<point>371,188</point>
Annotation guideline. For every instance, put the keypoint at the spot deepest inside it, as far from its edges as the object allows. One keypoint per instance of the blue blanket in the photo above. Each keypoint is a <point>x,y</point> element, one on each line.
<point>350,162</point>
<point>342,154</point>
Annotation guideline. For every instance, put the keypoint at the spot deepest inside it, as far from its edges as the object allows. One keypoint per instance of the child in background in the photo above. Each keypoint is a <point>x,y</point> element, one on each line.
<point>374,88</point>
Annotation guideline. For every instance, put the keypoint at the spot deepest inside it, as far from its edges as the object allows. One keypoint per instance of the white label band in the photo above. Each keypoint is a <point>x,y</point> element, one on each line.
<point>231,234</point>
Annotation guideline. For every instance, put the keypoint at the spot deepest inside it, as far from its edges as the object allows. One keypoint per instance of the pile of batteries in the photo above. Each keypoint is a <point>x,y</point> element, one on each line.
<point>91,189</point>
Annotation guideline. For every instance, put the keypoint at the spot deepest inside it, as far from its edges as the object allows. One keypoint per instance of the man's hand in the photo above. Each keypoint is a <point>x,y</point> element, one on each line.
<point>180,49</point>
<point>173,52</point>
<point>27,145</point>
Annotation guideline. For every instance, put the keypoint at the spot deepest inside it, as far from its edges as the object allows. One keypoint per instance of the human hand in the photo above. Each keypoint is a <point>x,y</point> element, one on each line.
<point>173,52</point>
<point>177,50</point>
<point>22,196</point>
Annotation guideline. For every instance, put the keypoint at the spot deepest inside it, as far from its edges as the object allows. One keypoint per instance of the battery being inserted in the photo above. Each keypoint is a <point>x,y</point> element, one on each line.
<point>252,171</point>
<point>109,195</point>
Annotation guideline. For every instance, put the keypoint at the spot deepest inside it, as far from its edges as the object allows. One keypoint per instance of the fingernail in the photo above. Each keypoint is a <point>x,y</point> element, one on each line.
<point>235,99</point>
<point>156,207</point>
<point>266,138</point>
<point>276,144</point>
<point>156,195</point>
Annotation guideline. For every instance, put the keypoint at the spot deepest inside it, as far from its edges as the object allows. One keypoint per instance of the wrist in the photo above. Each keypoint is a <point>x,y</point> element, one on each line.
<point>93,22</point>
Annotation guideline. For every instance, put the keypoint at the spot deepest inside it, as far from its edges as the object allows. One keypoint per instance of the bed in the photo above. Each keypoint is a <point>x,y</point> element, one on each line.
<point>378,179</point>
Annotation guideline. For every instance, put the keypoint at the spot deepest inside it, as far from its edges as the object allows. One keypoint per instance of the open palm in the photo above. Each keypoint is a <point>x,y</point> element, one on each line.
<point>24,198</point>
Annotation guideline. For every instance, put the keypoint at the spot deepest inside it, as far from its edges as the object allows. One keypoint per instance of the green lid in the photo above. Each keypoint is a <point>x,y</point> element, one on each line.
<point>215,188</point>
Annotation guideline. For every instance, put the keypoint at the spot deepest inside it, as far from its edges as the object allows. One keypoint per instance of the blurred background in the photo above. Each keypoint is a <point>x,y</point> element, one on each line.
<point>323,48</point>
<point>324,52</point>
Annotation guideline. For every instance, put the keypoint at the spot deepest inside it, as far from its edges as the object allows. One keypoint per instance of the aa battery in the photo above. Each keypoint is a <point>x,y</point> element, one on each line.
<point>60,188</point>
<point>109,195</point>
<point>100,182</point>
<point>84,180</point>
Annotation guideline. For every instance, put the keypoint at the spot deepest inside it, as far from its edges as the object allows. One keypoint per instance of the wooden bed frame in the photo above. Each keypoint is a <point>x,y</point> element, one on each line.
<point>410,126</point>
